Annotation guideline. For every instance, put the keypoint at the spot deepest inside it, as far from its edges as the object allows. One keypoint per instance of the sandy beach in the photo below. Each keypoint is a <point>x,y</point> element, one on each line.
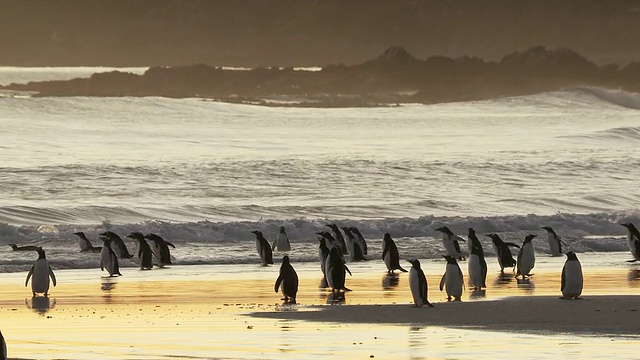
<point>231,311</point>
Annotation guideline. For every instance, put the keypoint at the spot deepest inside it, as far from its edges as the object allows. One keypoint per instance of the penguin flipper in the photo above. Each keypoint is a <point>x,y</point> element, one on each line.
<point>347,270</point>
<point>562,283</point>
<point>29,275</point>
<point>401,269</point>
<point>444,276</point>
<point>456,245</point>
<point>52,276</point>
<point>278,281</point>
<point>384,252</point>
<point>170,244</point>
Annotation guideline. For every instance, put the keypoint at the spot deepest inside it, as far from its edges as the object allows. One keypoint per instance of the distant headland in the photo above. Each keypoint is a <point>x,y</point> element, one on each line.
<point>393,77</point>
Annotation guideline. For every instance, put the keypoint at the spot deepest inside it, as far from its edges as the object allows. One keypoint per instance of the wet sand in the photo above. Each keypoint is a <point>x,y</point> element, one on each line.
<point>231,311</point>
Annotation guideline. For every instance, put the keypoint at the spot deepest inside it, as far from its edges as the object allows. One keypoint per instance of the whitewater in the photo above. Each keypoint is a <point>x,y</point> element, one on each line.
<point>203,174</point>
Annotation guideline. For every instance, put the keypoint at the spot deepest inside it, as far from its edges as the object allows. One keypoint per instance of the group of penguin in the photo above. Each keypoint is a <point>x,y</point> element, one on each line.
<point>113,249</point>
<point>333,248</point>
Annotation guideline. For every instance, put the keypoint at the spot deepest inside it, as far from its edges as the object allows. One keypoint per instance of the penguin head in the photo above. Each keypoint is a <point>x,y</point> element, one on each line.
<point>629,226</point>
<point>571,256</point>
<point>547,228</point>
<point>108,234</point>
<point>445,230</point>
<point>495,238</point>
<point>136,236</point>
<point>41,254</point>
<point>472,233</point>
<point>415,263</point>
<point>80,234</point>
<point>282,230</point>
<point>285,260</point>
<point>529,237</point>
<point>387,237</point>
<point>255,232</point>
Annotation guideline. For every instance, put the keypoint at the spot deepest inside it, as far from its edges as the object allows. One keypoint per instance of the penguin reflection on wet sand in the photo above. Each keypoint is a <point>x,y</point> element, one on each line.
<point>160,248</point>
<point>264,250</point>
<point>418,284</point>
<point>390,254</point>
<point>85,244</point>
<point>109,259</point>
<point>288,281</point>
<point>41,272</point>
<point>117,245</point>
<point>452,279</point>
<point>633,241</point>
<point>144,251</point>
<point>505,258</point>
<point>555,242</point>
<point>571,285</point>
<point>526,257</point>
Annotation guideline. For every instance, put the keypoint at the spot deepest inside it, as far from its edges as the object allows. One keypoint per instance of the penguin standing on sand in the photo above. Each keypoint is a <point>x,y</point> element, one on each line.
<point>555,243</point>
<point>336,272</point>
<point>3,348</point>
<point>390,254</point>
<point>571,285</point>
<point>289,281</point>
<point>109,259</point>
<point>339,238</point>
<point>41,272</point>
<point>451,242</point>
<point>85,244</point>
<point>526,257</point>
<point>144,251</point>
<point>160,249</point>
<point>355,250</point>
<point>282,241</point>
<point>452,279</point>
<point>264,250</point>
<point>505,258</point>
<point>117,245</point>
<point>633,241</point>
<point>477,264</point>
<point>418,284</point>
<point>360,240</point>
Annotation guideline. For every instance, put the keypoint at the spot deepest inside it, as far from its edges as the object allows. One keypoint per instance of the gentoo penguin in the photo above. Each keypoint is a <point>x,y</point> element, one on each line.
<point>160,249</point>
<point>451,242</point>
<point>117,245</point>
<point>555,243</point>
<point>336,271</point>
<point>633,241</point>
<point>282,241</point>
<point>3,348</point>
<point>390,254</point>
<point>24,248</point>
<point>323,253</point>
<point>571,285</point>
<point>505,258</point>
<point>264,250</point>
<point>330,241</point>
<point>339,238</point>
<point>85,244</point>
<point>41,272</point>
<point>360,239</point>
<point>108,258</point>
<point>452,279</point>
<point>526,257</point>
<point>144,251</point>
<point>418,284</point>
<point>477,264</point>
<point>289,281</point>
<point>353,244</point>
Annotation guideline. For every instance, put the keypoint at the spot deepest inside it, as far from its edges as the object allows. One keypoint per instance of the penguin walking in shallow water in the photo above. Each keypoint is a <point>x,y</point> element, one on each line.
<point>390,254</point>
<point>526,257</point>
<point>264,250</point>
<point>41,272</point>
<point>282,241</point>
<point>360,240</point>
<point>571,285</point>
<point>452,279</point>
<point>418,284</point>
<point>555,242</point>
<point>505,258</point>
<point>336,271</point>
<point>451,242</point>
<point>339,238</point>
<point>117,245</point>
<point>160,249</point>
<point>144,251</point>
<point>477,265</point>
<point>109,259</point>
<point>633,241</point>
<point>288,280</point>
<point>85,244</point>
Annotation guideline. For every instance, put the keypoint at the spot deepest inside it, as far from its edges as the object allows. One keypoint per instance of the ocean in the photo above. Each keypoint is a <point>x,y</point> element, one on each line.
<point>203,174</point>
